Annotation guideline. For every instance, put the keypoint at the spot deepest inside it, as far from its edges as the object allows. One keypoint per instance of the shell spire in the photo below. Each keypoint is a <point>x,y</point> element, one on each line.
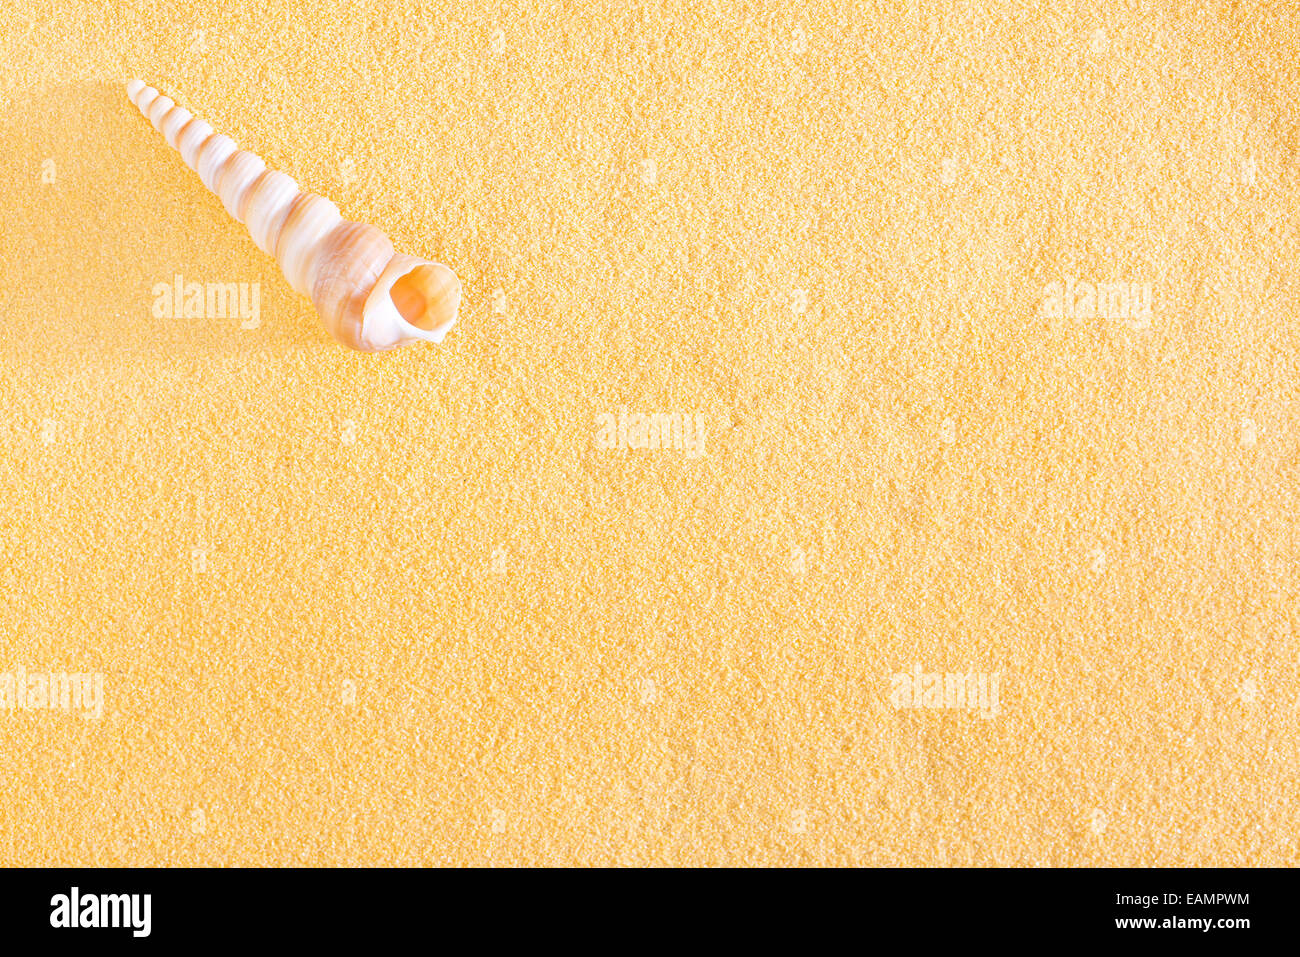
<point>369,296</point>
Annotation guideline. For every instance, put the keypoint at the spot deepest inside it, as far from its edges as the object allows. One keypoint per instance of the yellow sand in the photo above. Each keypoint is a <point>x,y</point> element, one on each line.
<point>360,609</point>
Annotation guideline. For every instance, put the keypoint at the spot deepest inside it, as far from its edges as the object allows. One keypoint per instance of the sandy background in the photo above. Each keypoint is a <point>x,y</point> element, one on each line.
<point>358,609</point>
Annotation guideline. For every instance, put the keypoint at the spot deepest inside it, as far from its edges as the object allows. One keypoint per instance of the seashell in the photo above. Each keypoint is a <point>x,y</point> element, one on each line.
<point>369,296</point>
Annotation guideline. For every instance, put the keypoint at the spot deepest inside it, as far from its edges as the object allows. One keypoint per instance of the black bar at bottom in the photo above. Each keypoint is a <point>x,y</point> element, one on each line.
<point>349,907</point>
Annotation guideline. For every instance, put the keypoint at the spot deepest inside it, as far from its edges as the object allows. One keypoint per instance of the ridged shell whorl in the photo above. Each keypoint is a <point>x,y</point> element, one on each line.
<point>369,296</point>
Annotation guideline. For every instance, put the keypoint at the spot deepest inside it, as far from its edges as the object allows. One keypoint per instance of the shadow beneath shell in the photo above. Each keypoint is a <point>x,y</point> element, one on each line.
<point>103,217</point>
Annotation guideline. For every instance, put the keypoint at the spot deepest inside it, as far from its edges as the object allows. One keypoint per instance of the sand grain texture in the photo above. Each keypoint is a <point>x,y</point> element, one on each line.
<point>359,609</point>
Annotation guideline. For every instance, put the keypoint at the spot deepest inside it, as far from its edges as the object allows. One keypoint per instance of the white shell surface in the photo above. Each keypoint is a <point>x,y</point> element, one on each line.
<point>212,157</point>
<point>190,139</point>
<point>267,202</point>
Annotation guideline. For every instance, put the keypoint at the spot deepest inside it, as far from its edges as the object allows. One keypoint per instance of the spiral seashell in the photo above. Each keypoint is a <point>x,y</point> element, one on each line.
<point>369,296</point>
